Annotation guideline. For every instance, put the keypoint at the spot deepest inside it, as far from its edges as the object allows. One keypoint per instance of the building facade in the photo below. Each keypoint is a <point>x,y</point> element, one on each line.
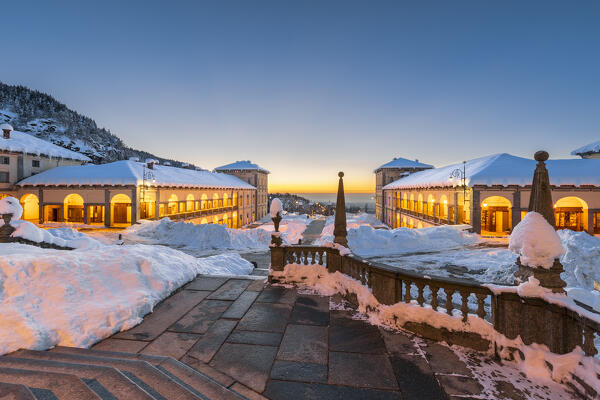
<point>495,195</point>
<point>123,192</point>
<point>255,176</point>
<point>390,172</point>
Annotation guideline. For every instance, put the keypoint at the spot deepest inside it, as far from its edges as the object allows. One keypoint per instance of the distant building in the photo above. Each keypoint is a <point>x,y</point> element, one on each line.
<point>388,173</point>
<point>123,192</point>
<point>495,196</point>
<point>591,150</point>
<point>255,176</point>
<point>23,155</point>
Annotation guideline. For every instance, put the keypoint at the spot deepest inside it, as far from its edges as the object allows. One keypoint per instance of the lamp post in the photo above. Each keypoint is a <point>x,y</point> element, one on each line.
<point>147,175</point>
<point>462,174</point>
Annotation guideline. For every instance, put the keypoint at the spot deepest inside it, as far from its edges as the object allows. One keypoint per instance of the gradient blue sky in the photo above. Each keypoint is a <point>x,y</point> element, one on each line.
<point>309,88</point>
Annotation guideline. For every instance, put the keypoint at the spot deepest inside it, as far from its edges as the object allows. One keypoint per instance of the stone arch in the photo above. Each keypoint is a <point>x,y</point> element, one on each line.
<point>73,208</point>
<point>31,207</point>
<point>120,209</point>
<point>203,200</point>
<point>444,206</point>
<point>411,206</point>
<point>420,225</point>
<point>496,214</point>
<point>173,204</point>
<point>571,212</point>
<point>189,202</point>
<point>430,204</point>
<point>420,203</point>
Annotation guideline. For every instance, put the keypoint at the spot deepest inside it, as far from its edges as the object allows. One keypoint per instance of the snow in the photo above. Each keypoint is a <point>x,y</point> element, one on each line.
<point>400,162</point>
<point>291,228</point>
<point>535,241</point>
<point>21,142</point>
<point>11,205</point>
<point>127,172</point>
<point>6,127</point>
<point>241,165</point>
<point>76,298</point>
<point>504,169</point>
<point>276,207</point>
<point>588,148</point>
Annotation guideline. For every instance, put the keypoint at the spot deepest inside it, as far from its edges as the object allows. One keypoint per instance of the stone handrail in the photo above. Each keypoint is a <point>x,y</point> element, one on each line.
<point>533,319</point>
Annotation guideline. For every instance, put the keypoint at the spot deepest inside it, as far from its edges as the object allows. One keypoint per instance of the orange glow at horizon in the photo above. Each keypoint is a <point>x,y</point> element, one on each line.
<point>303,181</point>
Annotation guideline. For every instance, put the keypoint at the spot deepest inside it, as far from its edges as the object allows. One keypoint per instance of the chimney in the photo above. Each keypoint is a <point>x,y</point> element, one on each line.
<point>150,163</point>
<point>6,129</point>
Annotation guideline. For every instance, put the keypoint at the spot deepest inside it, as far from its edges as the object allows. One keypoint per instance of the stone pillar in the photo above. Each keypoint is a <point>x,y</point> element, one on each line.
<point>61,213</point>
<point>591,212</point>
<point>107,216</point>
<point>476,211</point>
<point>157,204</point>
<point>339,230</point>
<point>85,213</point>
<point>277,261</point>
<point>541,195</point>
<point>516,208</point>
<point>41,205</point>
<point>455,208</point>
<point>135,210</point>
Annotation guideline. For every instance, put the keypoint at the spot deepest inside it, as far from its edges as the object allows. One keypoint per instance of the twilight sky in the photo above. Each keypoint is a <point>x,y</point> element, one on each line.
<point>308,88</point>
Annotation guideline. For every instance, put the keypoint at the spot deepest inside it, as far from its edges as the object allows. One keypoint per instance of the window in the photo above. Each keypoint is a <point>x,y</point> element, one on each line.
<point>35,163</point>
<point>3,177</point>
<point>4,160</point>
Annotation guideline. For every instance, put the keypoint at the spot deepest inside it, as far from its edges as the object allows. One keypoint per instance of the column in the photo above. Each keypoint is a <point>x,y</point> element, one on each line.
<point>157,204</point>
<point>107,217</point>
<point>455,208</point>
<point>591,212</point>
<point>85,213</point>
<point>476,211</point>
<point>61,213</point>
<point>135,210</point>
<point>41,205</point>
<point>516,208</point>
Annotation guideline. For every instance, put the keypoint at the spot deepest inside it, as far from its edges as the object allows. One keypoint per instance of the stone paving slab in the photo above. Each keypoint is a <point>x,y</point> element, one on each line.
<point>271,342</point>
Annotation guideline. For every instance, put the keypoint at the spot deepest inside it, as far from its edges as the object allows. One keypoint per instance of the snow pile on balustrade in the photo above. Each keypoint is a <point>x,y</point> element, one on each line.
<point>535,241</point>
<point>276,207</point>
<point>20,142</point>
<point>78,297</point>
<point>291,228</point>
<point>535,360</point>
<point>127,172</point>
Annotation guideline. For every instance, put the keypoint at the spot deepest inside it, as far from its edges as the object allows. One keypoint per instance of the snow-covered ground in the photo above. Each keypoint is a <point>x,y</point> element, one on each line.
<point>77,297</point>
<point>205,239</point>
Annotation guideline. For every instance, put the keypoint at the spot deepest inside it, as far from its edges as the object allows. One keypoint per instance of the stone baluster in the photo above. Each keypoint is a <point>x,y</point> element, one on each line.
<point>481,304</point>
<point>449,306</point>
<point>465,304</point>
<point>434,297</point>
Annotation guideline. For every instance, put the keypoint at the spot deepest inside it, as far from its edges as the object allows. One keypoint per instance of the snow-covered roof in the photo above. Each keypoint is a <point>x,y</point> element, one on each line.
<point>504,169</point>
<point>588,148</point>
<point>399,162</point>
<point>128,172</point>
<point>20,142</point>
<point>245,164</point>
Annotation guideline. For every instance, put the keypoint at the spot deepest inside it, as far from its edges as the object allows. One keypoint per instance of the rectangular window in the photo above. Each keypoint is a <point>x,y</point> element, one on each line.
<point>35,163</point>
<point>3,177</point>
<point>4,160</point>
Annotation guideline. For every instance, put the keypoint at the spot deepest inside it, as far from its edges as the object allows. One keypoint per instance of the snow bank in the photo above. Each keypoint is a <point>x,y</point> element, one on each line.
<point>78,297</point>
<point>292,227</point>
<point>581,259</point>
<point>536,241</point>
<point>11,205</point>
<point>204,237</point>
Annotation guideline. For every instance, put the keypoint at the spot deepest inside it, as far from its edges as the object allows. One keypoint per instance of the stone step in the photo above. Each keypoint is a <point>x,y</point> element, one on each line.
<point>15,392</point>
<point>62,386</point>
<point>142,373</point>
<point>177,369</point>
<point>108,378</point>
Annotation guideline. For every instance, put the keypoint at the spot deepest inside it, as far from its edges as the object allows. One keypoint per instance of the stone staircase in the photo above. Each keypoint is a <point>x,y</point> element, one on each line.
<point>81,374</point>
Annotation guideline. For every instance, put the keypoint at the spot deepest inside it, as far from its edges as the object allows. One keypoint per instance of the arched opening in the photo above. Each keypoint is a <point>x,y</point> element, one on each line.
<point>495,215</point>
<point>73,205</point>
<point>234,219</point>
<point>444,207</point>
<point>411,206</point>
<point>189,203</point>
<point>203,201</point>
<point>570,213</point>
<point>31,208</point>
<point>226,220</point>
<point>397,220</point>
<point>420,203</point>
<point>172,204</point>
<point>404,200</point>
<point>120,206</point>
<point>430,205</point>
<point>225,200</point>
<point>419,225</point>
<point>204,221</point>
<point>235,198</point>
<point>216,202</point>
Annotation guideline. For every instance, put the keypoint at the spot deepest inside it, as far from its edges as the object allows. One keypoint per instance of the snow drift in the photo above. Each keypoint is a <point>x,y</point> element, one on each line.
<point>535,241</point>
<point>78,297</point>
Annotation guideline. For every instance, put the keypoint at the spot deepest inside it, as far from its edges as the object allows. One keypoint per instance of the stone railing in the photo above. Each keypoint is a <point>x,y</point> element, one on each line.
<point>6,231</point>
<point>533,319</point>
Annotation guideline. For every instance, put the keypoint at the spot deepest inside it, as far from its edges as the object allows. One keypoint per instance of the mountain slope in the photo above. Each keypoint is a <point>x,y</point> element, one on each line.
<point>43,116</point>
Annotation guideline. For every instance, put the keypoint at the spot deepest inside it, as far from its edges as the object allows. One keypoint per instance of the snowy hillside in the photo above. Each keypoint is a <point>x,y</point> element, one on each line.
<point>41,115</point>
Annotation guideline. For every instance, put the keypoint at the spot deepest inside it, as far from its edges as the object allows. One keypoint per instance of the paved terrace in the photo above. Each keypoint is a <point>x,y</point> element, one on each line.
<point>266,341</point>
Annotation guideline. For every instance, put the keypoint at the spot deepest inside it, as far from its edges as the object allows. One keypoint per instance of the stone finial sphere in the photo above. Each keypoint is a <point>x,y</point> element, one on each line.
<point>341,174</point>
<point>541,155</point>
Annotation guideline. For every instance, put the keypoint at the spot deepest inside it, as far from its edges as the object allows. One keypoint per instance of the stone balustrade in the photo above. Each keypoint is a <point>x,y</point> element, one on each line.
<point>533,319</point>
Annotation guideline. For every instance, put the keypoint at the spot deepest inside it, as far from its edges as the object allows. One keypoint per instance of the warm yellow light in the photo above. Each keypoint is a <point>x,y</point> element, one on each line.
<point>445,201</point>
<point>554,206</point>
<point>484,205</point>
